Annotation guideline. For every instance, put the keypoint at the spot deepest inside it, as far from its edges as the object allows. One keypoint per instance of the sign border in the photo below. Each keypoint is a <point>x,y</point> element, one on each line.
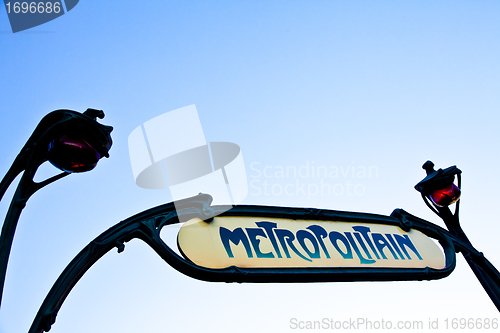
<point>148,224</point>
<point>200,206</point>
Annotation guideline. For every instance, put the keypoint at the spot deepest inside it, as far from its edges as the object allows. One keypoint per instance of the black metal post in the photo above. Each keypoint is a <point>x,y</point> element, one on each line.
<point>486,273</point>
<point>33,154</point>
<point>24,190</point>
<point>148,224</point>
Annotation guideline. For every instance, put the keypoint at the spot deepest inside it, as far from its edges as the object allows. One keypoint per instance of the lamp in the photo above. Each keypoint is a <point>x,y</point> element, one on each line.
<point>439,185</point>
<point>439,189</point>
<point>71,141</point>
<point>80,144</point>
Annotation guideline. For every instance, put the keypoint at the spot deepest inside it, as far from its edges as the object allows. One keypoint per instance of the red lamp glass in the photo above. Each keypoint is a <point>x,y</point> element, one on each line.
<point>438,186</point>
<point>445,196</point>
<point>72,154</point>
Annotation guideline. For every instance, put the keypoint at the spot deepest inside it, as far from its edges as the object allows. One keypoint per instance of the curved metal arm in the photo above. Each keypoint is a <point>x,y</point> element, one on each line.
<point>144,226</point>
<point>32,155</point>
<point>25,189</point>
<point>486,273</point>
<point>148,224</point>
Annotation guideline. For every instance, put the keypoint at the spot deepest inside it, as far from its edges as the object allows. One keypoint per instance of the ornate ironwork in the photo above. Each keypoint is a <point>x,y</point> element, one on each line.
<point>486,273</point>
<point>148,224</point>
<point>33,154</point>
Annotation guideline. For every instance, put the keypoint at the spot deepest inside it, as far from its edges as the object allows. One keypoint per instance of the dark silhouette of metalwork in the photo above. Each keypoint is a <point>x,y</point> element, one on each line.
<point>439,185</point>
<point>72,141</point>
<point>51,141</point>
<point>147,226</point>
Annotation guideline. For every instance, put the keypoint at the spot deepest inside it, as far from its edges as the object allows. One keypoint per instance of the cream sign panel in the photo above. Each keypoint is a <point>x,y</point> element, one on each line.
<point>276,242</point>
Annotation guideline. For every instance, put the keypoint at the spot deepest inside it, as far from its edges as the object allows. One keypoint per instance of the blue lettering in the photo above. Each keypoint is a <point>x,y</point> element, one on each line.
<point>252,234</point>
<point>356,249</point>
<point>268,227</point>
<point>235,237</point>
<point>394,245</point>
<point>337,236</point>
<point>286,237</point>
<point>363,246</point>
<point>405,240</point>
<point>302,235</point>
<point>320,233</point>
<point>381,242</point>
<point>364,231</point>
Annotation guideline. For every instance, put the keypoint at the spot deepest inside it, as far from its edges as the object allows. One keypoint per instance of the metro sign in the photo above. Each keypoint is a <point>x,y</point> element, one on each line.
<point>278,242</point>
<point>281,244</point>
<point>263,244</point>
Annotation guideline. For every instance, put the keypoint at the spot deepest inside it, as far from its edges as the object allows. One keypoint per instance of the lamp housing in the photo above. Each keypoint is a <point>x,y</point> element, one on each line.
<point>439,185</point>
<point>78,141</point>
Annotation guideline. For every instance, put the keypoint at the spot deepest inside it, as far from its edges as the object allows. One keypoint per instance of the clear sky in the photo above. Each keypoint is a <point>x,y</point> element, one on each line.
<point>358,84</point>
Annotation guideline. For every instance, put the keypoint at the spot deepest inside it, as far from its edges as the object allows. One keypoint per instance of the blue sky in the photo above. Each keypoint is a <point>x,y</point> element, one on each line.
<point>381,84</point>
